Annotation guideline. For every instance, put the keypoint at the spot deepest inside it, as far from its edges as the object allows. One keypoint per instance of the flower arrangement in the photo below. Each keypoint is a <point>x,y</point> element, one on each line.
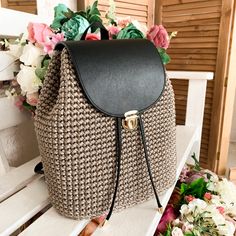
<point>34,49</point>
<point>202,204</point>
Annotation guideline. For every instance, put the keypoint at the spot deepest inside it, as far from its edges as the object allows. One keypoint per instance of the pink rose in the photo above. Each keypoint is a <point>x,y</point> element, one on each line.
<point>39,33</point>
<point>189,198</point>
<point>92,36</point>
<point>50,45</point>
<point>207,196</point>
<point>168,216</point>
<point>159,36</point>
<point>123,21</point>
<point>32,98</point>
<point>113,30</point>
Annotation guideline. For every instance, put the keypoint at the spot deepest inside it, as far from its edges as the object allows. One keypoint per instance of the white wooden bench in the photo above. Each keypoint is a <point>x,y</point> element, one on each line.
<point>23,194</point>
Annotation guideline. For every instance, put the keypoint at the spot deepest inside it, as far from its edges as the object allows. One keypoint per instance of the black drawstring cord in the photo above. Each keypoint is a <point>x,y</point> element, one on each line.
<point>141,126</point>
<point>118,159</point>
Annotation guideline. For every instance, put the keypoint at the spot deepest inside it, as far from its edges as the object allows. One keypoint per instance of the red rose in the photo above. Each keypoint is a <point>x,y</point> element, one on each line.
<point>92,36</point>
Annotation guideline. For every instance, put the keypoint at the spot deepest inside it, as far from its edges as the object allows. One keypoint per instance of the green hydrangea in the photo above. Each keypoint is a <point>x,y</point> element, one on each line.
<point>59,16</point>
<point>130,32</point>
<point>75,27</point>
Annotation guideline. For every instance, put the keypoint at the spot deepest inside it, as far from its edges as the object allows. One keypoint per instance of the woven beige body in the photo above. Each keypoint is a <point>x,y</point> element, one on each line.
<point>78,147</point>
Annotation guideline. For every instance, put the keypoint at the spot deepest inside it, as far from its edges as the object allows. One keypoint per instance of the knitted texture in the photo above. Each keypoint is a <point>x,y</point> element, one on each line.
<point>78,147</point>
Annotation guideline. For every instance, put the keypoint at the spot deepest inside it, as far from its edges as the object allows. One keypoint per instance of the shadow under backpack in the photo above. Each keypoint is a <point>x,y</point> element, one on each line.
<point>105,124</point>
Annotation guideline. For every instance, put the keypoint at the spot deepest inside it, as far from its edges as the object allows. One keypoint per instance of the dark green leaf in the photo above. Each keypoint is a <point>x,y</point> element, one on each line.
<point>197,164</point>
<point>69,14</point>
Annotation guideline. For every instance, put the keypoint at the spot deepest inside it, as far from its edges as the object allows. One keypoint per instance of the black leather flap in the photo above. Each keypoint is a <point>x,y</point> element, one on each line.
<point>118,75</point>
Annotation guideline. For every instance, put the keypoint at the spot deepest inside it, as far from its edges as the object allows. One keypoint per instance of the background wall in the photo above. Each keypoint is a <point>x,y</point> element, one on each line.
<point>233,129</point>
<point>45,7</point>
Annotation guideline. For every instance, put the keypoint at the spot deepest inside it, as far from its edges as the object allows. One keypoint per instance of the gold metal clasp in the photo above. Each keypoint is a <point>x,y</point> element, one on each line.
<point>130,122</point>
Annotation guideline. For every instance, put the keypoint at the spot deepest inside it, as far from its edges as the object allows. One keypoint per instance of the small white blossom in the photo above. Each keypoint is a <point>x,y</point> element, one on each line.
<point>176,232</point>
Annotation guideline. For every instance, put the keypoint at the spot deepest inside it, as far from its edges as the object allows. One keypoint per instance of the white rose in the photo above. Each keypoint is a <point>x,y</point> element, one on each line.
<point>15,50</point>
<point>32,55</point>
<point>176,232</point>
<point>28,80</point>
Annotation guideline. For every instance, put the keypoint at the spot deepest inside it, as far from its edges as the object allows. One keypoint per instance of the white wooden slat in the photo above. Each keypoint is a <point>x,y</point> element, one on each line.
<point>195,110</point>
<point>190,75</point>
<point>22,206</point>
<point>143,219</point>
<point>17,178</point>
<point>51,223</point>
<point>10,114</point>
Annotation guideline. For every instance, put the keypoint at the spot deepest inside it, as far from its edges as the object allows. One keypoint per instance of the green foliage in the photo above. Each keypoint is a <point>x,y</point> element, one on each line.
<point>197,188</point>
<point>168,230</point>
<point>75,27</point>
<point>196,164</point>
<point>189,234</point>
<point>60,16</point>
<point>130,32</point>
<point>29,107</point>
<point>164,56</point>
<point>92,14</point>
<point>41,72</point>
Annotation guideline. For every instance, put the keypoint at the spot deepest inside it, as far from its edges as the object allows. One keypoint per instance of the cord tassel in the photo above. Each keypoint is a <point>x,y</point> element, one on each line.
<point>142,131</point>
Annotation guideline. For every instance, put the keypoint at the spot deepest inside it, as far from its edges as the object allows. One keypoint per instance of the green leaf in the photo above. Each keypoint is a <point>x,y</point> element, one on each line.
<point>197,164</point>
<point>189,234</point>
<point>130,32</point>
<point>59,15</point>
<point>94,8</point>
<point>197,188</point>
<point>164,56</point>
<point>41,72</point>
<point>95,18</point>
<point>69,14</point>
<point>29,107</point>
<point>92,14</point>
<point>183,188</point>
